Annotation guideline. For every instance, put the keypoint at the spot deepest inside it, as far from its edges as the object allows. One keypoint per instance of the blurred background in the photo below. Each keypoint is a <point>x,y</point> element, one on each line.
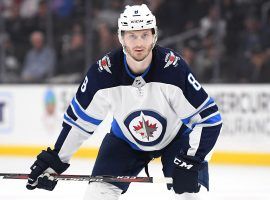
<point>224,41</point>
<point>46,47</point>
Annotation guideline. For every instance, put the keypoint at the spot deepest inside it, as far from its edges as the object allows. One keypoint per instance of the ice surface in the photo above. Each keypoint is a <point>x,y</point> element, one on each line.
<point>226,183</point>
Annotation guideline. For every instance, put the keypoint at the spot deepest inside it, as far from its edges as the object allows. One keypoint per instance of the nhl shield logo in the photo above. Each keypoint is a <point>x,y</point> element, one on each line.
<point>146,127</point>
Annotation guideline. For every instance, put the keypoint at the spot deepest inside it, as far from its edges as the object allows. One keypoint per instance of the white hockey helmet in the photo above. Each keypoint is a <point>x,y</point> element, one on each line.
<point>137,17</point>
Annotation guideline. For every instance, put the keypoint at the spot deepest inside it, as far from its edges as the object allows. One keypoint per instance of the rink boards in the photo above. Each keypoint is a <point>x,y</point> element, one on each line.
<point>31,116</point>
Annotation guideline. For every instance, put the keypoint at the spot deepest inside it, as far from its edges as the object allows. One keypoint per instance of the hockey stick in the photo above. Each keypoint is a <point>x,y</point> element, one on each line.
<point>109,179</point>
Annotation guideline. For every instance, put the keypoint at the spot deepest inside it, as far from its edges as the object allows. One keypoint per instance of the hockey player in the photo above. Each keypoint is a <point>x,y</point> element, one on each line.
<point>159,110</point>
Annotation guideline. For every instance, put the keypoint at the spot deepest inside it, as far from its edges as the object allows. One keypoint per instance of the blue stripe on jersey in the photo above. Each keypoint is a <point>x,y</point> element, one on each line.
<point>75,124</point>
<point>129,72</point>
<point>187,120</point>
<point>82,114</point>
<point>212,120</point>
<point>116,130</point>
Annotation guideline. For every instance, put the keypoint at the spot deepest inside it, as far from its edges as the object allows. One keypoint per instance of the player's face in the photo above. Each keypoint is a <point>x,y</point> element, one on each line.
<point>138,44</point>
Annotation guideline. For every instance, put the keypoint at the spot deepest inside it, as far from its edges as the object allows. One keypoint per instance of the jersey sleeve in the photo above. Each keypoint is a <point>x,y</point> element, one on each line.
<point>199,113</point>
<point>86,111</point>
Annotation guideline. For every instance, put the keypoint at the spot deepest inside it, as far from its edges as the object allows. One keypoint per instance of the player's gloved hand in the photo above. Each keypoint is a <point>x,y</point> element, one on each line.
<point>47,162</point>
<point>185,175</point>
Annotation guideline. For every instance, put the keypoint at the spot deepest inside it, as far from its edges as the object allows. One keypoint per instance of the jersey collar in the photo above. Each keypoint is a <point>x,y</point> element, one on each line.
<point>131,74</point>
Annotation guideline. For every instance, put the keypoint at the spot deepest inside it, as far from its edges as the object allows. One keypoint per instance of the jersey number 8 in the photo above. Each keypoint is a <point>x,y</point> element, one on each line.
<point>197,86</point>
<point>83,87</point>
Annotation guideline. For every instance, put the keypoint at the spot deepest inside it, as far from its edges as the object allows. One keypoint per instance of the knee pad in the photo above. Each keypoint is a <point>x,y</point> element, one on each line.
<point>102,191</point>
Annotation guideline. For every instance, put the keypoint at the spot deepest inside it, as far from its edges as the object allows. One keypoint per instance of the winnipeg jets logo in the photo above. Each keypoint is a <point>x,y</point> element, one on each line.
<point>171,59</point>
<point>146,127</point>
<point>104,64</point>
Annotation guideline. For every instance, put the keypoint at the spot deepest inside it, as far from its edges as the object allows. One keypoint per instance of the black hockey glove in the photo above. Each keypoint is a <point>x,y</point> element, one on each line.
<point>185,175</point>
<point>47,162</point>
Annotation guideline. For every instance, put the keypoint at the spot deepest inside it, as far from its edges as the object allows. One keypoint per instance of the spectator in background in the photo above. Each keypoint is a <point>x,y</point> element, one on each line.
<point>63,8</point>
<point>206,58</point>
<point>213,22</point>
<point>232,13</point>
<point>5,8</point>
<point>29,8</point>
<point>15,27</point>
<point>40,19</point>
<point>40,60</point>
<point>73,59</point>
<point>266,32</point>
<point>169,22</point>
<point>250,36</point>
<point>195,10</point>
<point>67,37</point>
<point>106,27</point>
<point>10,61</point>
<point>265,70</point>
<point>254,68</point>
<point>189,55</point>
<point>62,18</point>
<point>238,23</point>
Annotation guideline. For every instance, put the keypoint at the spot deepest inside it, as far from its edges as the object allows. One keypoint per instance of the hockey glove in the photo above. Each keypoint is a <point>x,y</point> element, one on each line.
<point>185,175</point>
<point>47,162</point>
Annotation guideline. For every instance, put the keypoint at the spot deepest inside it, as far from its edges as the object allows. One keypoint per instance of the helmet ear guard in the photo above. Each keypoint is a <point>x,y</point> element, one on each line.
<point>137,17</point>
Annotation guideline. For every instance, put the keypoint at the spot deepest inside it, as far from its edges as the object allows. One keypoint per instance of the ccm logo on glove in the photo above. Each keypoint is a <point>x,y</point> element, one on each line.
<point>181,163</point>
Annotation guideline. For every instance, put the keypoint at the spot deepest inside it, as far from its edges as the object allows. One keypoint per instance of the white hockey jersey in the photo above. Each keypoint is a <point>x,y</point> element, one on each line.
<point>149,110</point>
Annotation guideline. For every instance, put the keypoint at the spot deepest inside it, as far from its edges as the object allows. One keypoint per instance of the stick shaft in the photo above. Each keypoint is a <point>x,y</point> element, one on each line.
<point>69,177</point>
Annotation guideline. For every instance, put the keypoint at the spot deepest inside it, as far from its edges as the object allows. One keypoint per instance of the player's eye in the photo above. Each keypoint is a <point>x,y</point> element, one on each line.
<point>145,36</point>
<point>132,37</point>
